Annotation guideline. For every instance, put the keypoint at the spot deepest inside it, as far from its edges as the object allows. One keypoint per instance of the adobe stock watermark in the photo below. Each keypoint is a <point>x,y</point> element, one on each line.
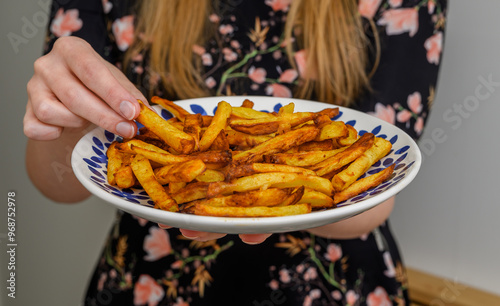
<point>458,113</point>
<point>30,26</point>
<point>449,294</point>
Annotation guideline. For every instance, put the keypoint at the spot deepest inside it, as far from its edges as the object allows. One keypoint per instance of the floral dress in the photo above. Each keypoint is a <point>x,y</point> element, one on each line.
<point>142,264</point>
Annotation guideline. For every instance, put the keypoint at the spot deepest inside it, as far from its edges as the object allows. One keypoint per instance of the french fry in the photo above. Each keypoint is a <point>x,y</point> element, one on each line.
<point>350,138</point>
<point>178,112</point>
<point>178,140</point>
<point>346,177</point>
<point>249,169</point>
<point>220,143</point>
<point>364,184</point>
<point>277,144</point>
<point>247,104</point>
<point>243,140</point>
<point>115,161</point>
<point>181,172</point>
<point>219,123</point>
<point>253,212</point>
<point>125,178</point>
<point>346,156</point>
<point>318,200</point>
<point>211,175</point>
<point>268,180</point>
<point>301,159</point>
<point>191,192</point>
<point>192,126</point>
<point>335,129</point>
<point>144,173</point>
<point>268,197</point>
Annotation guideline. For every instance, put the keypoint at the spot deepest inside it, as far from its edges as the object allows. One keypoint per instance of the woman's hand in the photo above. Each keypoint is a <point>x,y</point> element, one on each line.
<point>73,87</point>
<point>205,236</point>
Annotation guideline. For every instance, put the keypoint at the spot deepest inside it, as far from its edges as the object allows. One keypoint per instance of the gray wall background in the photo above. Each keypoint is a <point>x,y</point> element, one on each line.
<point>446,221</point>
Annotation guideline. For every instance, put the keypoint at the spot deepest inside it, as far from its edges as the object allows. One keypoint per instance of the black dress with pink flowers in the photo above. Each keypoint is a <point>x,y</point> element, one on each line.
<point>142,264</point>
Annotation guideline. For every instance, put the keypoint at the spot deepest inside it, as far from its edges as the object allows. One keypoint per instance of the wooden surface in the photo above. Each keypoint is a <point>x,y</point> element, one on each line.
<point>427,289</point>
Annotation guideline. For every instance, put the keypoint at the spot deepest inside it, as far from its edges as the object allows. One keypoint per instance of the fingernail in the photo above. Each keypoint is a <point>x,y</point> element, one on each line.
<point>125,129</point>
<point>128,110</point>
<point>190,234</point>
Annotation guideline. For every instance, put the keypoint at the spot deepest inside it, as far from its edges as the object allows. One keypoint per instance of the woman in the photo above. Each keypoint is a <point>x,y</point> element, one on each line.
<point>381,57</point>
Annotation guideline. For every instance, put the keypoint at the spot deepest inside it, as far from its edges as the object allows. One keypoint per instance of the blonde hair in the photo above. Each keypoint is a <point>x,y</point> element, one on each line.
<point>330,31</point>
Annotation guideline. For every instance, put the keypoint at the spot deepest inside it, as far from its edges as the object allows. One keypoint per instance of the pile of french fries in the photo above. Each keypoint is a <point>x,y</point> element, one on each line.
<point>241,162</point>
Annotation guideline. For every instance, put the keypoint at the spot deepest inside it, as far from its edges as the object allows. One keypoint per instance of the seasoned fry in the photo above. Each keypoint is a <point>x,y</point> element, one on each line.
<point>115,161</point>
<point>219,123</point>
<point>191,192</point>
<point>246,170</point>
<point>178,112</point>
<point>270,179</point>
<point>144,173</point>
<point>243,140</point>
<point>317,199</point>
<point>181,172</point>
<point>125,178</point>
<point>364,184</point>
<point>210,175</point>
<point>192,126</point>
<point>301,159</point>
<point>178,140</point>
<point>277,144</point>
<point>255,212</point>
<point>346,177</point>
<point>346,156</point>
<point>268,197</point>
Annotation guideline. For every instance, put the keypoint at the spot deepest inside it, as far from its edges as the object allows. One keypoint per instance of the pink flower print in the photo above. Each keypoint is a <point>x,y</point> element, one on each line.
<point>310,274</point>
<point>431,5</point>
<point>199,50</point>
<point>65,23</point>
<point>404,116</point>
<point>315,294</point>
<point>206,59</point>
<point>157,244</point>
<point>176,264</point>
<point>307,301</point>
<point>226,29</point>
<point>368,8</point>
<point>140,220</point>
<point>395,3</point>
<point>419,125</point>
<point>235,44</point>
<point>337,295</point>
<point>107,6</point>
<point>285,276</point>
<point>123,29</point>
<point>279,5</point>
<point>415,102</point>
<point>214,18</point>
<point>391,271</point>
<point>128,278</point>
<point>434,45</point>
<point>398,21</point>
<point>258,75</point>
<point>274,284</point>
<point>147,291</point>
<point>334,252</point>
<point>288,76</point>
<point>351,297</point>
<point>277,90</point>
<point>300,268</point>
<point>383,112</point>
<point>378,297</point>
<point>210,82</point>
<point>180,302</point>
<point>100,282</point>
<point>229,55</point>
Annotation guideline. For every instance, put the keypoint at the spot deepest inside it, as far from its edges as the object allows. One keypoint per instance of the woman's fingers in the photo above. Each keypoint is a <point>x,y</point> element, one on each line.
<point>254,238</point>
<point>97,77</point>
<point>204,236</point>
<point>200,236</point>
<point>37,130</point>
<point>81,101</point>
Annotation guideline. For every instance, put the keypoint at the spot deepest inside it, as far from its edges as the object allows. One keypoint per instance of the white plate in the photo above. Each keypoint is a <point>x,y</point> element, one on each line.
<point>89,164</point>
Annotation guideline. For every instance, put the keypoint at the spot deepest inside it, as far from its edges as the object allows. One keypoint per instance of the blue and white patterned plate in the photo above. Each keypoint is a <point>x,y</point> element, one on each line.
<point>89,164</point>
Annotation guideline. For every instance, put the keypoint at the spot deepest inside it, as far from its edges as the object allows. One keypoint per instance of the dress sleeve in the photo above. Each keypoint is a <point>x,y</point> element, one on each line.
<point>107,25</point>
<point>411,37</point>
